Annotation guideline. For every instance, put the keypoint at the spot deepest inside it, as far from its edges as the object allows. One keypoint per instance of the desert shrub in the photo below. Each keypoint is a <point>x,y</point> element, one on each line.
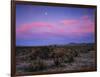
<point>69,55</point>
<point>91,48</point>
<point>74,53</point>
<point>37,53</point>
<point>58,56</point>
<point>85,50</point>
<point>66,60</point>
<point>33,55</point>
<point>24,68</point>
<point>22,51</point>
<point>45,53</point>
<point>69,59</point>
<point>57,61</point>
<point>38,65</point>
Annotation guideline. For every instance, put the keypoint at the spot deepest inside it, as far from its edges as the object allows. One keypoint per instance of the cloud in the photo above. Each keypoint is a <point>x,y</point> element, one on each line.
<point>83,25</point>
<point>85,17</point>
<point>35,30</point>
<point>69,22</point>
<point>66,28</point>
<point>28,26</point>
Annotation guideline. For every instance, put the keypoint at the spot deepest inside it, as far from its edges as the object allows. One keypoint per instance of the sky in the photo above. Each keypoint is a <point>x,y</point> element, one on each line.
<point>38,25</point>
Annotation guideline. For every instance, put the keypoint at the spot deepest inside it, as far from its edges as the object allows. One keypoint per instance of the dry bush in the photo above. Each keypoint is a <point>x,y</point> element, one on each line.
<point>58,56</point>
<point>38,65</point>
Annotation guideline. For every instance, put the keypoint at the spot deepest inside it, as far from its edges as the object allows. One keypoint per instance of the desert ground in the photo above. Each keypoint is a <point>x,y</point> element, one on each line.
<point>53,58</point>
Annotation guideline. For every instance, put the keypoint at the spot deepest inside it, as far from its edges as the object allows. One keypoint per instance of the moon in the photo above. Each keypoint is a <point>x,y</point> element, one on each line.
<point>46,13</point>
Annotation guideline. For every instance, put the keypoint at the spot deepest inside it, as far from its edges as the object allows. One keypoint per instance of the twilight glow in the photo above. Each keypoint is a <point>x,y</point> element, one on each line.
<point>48,25</point>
